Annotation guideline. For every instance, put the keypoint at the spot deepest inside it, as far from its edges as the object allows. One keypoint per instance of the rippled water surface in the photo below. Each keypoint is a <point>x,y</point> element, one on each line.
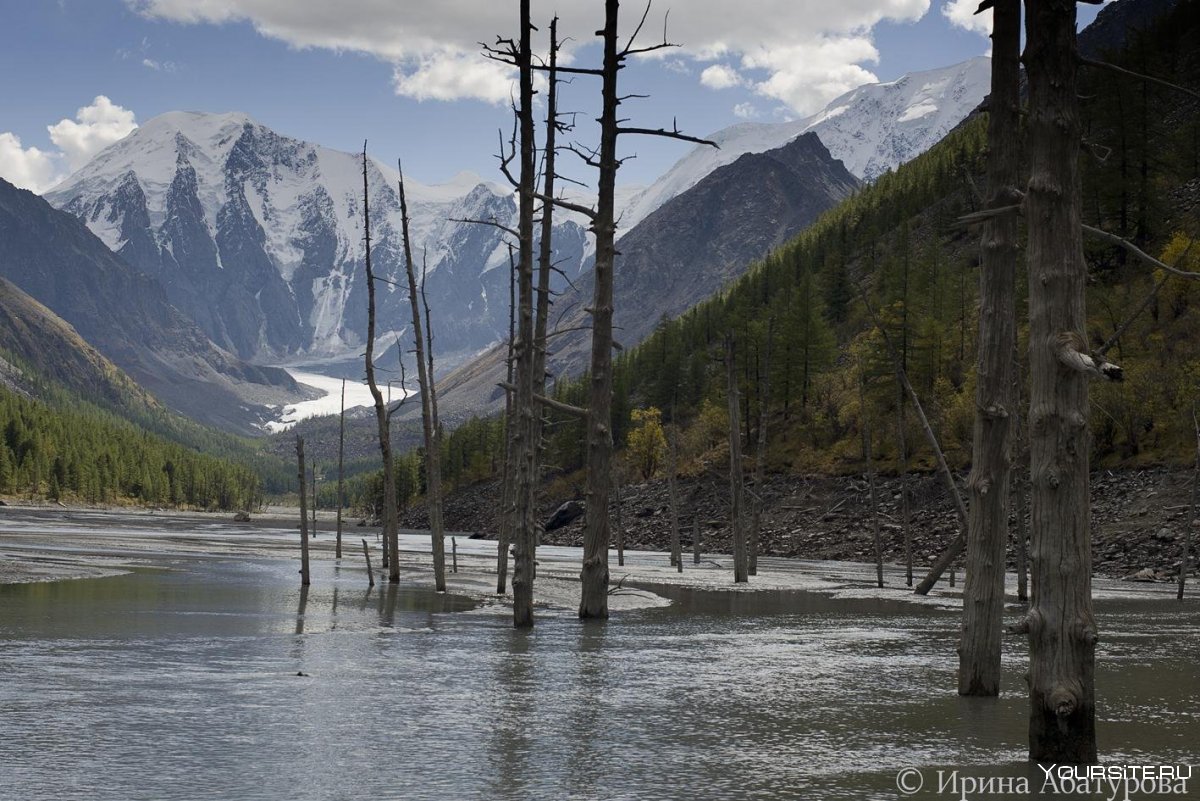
<point>183,683</point>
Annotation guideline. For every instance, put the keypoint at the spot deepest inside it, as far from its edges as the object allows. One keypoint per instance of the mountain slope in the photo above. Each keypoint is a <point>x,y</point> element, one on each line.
<point>259,237</point>
<point>38,337</point>
<point>125,315</point>
<point>871,129</point>
<point>683,253</point>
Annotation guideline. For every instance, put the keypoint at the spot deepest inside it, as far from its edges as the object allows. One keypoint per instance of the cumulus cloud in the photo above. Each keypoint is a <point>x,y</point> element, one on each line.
<point>720,76</point>
<point>94,128</point>
<point>961,14</point>
<point>745,111</point>
<point>782,44</point>
<point>26,167</point>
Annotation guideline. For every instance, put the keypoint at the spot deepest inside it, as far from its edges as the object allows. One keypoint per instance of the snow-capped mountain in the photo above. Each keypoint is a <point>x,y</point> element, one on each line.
<point>259,237</point>
<point>871,129</point>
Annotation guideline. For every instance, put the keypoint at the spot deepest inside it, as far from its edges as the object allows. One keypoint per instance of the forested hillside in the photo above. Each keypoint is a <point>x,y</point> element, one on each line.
<point>81,453</point>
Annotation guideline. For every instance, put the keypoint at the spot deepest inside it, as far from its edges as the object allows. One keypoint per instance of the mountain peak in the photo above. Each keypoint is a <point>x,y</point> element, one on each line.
<point>871,129</point>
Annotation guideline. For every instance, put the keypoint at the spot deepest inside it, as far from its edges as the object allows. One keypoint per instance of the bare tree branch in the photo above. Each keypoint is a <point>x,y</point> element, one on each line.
<point>1104,65</point>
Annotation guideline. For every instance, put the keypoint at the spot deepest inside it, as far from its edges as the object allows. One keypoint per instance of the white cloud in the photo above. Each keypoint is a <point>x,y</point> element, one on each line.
<point>94,128</point>
<point>720,76</point>
<point>745,111</point>
<point>28,168</point>
<point>450,75</point>
<point>961,14</point>
<point>432,44</point>
<point>806,76</point>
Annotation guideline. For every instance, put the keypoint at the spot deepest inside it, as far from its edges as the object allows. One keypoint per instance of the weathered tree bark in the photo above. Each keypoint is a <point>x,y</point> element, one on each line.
<point>593,602</point>
<point>869,462</point>
<point>673,495</point>
<point>1062,627</point>
<point>991,457</point>
<point>433,450</point>
<point>304,575</point>
<point>905,512</point>
<point>1021,487</point>
<point>341,495</point>
<point>508,475</point>
<point>391,537</point>
<point>370,572</point>
<point>620,521</point>
<point>314,496</point>
<point>1186,546</point>
<point>696,545</point>
<point>737,524</point>
<point>524,529</point>
<point>760,451</point>
<point>546,244</point>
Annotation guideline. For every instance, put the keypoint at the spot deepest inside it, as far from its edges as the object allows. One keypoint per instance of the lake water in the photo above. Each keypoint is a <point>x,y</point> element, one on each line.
<point>183,683</point>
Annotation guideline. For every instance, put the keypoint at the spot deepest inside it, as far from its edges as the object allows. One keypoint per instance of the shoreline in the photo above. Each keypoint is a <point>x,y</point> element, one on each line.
<point>44,545</point>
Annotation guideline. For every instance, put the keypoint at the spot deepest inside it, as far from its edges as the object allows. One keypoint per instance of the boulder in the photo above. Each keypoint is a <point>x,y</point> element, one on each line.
<point>566,514</point>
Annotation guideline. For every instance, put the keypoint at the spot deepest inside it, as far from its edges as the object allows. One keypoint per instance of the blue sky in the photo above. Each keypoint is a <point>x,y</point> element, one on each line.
<point>407,76</point>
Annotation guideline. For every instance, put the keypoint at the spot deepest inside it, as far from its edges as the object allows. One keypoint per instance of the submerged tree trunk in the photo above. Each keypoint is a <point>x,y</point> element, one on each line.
<point>991,456</point>
<point>1062,627</point>
<point>737,524</point>
<point>1020,488</point>
<point>433,456</point>
<point>905,512</point>
<point>304,579</point>
<point>391,537</point>
<point>620,521</point>
<point>760,451</point>
<point>673,495</point>
<point>1186,546</point>
<point>508,474</point>
<point>341,494</point>
<point>593,602</point>
<point>869,462</point>
<point>545,263</point>
<point>524,528</point>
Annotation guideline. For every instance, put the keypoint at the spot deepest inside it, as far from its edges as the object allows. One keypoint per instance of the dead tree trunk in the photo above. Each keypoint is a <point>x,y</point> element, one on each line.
<point>304,576</point>
<point>1062,627</point>
<point>760,451</point>
<point>545,248</point>
<point>620,521</point>
<point>905,512</point>
<point>391,537</point>
<point>370,572</point>
<point>673,495</point>
<point>313,465</point>
<point>433,456</point>
<point>1186,547</point>
<point>594,576</point>
<point>991,458</point>
<point>869,462</point>
<point>508,474</point>
<point>1020,487</point>
<point>341,494</point>
<point>736,523</point>
<point>696,540</point>
<point>524,429</point>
